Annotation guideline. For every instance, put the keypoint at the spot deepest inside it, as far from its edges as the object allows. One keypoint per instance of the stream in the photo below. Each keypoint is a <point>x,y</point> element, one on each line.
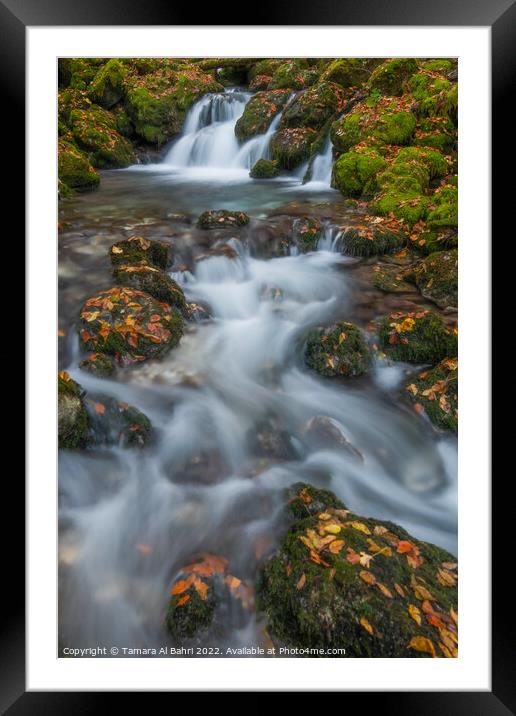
<point>231,405</point>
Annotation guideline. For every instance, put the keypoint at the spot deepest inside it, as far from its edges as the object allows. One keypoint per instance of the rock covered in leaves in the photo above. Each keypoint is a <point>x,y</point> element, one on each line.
<point>99,364</point>
<point>437,278</point>
<point>198,591</point>
<point>339,349</point>
<point>342,580</point>
<point>370,240</point>
<point>390,77</point>
<point>294,75</point>
<point>313,107</point>
<point>129,325</point>
<point>417,337</point>
<point>347,72</point>
<point>138,250</point>
<point>291,147</point>
<point>306,233</point>
<point>265,169</point>
<point>222,219</point>
<point>112,422</point>
<point>72,419</point>
<point>391,279</point>
<point>95,131</point>
<point>436,392</point>
<point>259,113</point>
<point>354,172</point>
<point>153,281</point>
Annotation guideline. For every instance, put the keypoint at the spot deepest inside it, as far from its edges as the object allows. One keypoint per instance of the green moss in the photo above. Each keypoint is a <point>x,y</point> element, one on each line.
<point>153,281</point>
<point>313,107</point>
<point>74,169</point>
<point>264,67</point>
<point>387,121</point>
<point>221,219</point>
<point>294,75</point>
<point>443,209</point>
<point>108,86</point>
<point>437,391</point>
<point>184,620</point>
<point>427,88</point>
<point>98,364</point>
<point>417,337</point>
<point>373,241</point>
<point>116,423</point>
<point>437,278</point>
<point>291,147</point>
<point>71,414</point>
<point>354,172</point>
<point>82,71</point>
<point>265,169</point>
<point>339,349</point>
<point>349,72</point>
<point>138,250</point>
<point>306,233</point>
<point>391,279</point>
<point>435,132</point>
<point>259,113</point>
<point>314,598</point>
<point>438,65</point>
<point>94,129</point>
<point>390,77</point>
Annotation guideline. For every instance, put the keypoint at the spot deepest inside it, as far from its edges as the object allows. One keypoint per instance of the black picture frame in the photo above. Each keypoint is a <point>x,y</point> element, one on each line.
<point>500,16</point>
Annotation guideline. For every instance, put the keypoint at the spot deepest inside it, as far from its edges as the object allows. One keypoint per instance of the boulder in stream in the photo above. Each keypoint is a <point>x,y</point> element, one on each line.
<point>417,337</point>
<point>153,281</point>
<point>339,349</point>
<point>372,240</point>
<point>265,169</point>
<point>72,419</point>
<point>436,392</point>
<point>99,364</point>
<point>139,250</point>
<point>342,580</point>
<point>306,233</point>
<point>129,325</point>
<point>74,168</point>
<point>222,219</point>
<point>113,422</point>
<point>313,107</point>
<point>437,278</point>
<point>291,147</point>
<point>259,113</point>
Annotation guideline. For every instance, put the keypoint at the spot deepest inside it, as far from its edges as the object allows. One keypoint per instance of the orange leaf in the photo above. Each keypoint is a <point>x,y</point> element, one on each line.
<point>301,582</point>
<point>336,546</point>
<point>421,643</point>
<point>182,600</point>
<point>99,408</point>
<point>367,577</point>
<point>181,586</point>
<point>201,588</point>
<point>366,625</point>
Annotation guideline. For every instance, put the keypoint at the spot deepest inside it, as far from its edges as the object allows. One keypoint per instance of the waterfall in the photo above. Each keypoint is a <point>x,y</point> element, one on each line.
<point>208,138</point>
<point>322,166</point>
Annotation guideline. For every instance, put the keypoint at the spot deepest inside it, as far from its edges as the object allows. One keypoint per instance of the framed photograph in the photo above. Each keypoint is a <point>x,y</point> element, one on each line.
<point>256,255</point>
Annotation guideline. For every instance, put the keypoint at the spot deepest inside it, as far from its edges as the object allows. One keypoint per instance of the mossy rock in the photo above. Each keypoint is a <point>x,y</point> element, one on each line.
<point>74,168</point>
<point>348,72</point>
<point>267,66</point>
<point>354,173</point>
<point>222,219</point>
<point>306,233</point>
<point>428,87</point>
<point>339,349</point>
<point>291,147</point>
<point>314,106</point>
<point>129,325</point>
<point>185,619</point>
<point>391,279</point>
<point>437,278</point>
<point>343,580</point>
<point>259,113</point>
<point>436,133</point>
<point>390,77</point>
<point>405,182</point>
<point>83,70</point>
<point>259,83</point>
<point>138,250</point>
<point>94,130</point>
<point>294,75</point>
<point>443,209</point>
<point>112,422</point>
<point>417,337</point>
<point>99,364</point>
<point>108,86</point>
<point>69,100</point>
<point>265,169</point>
<point>72,419</point>
<point>436,390</point>
<point>153,281</point>
<point>371,241</point>
<point>439,65</point>
<point>387,120</point>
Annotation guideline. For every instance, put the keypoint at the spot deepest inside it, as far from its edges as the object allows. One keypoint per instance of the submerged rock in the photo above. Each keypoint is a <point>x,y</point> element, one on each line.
<point>436,391</point>
<point>322,432</point>
<point>265,169</point>
<point>342,580</point>
<point>437,278</point>
<point>153,281</point>
<point>129,325</point>
<point>72,419</point>
<point>339,349</point>
<point>417,337</point>
<point>138,250</point>
<point>222,219</point>
<point>112,422</point>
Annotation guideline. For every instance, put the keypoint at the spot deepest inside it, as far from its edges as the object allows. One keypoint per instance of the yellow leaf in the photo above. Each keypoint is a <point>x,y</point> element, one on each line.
<point>421,643</point>
<point>367,577</point>
<point>301,582</point>
<point>383,589</point>
<point>366,625</point>
<point>399,589</point>
<point>336,546</point>
<point>414,613</point>
<point>360,526</point>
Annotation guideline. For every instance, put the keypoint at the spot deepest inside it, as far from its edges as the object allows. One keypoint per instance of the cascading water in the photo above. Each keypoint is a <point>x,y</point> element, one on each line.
<point>322,164</point>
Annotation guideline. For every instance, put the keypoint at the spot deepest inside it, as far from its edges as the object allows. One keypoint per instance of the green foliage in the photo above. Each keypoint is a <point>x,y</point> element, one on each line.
<point>417,337</point>
<point>339,349</point>
<point>265,169</point>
